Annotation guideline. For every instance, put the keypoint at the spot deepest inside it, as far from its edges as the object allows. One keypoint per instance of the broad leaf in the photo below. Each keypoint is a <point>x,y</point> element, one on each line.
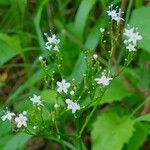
<point>111,131</point>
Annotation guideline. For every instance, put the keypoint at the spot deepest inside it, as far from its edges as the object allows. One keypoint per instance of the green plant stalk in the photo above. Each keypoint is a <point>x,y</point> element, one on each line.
<point>91,114</point>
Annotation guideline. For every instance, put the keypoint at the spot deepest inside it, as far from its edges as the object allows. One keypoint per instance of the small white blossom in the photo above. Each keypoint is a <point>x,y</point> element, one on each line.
<point>115,14</point>
<point>131,47</point>
<point>52,42</point>
<point>21,120</point>
<point>104,80</point>
<point>102,30</point>
<point>9,115</point>
<point>95,56</point>
<point>36,100</point>
<point>132,35</point>
<point>63,86</point>
<point>72,105</point>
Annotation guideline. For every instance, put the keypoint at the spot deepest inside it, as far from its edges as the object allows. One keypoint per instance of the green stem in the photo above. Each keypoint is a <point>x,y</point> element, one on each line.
<point>91,114</point>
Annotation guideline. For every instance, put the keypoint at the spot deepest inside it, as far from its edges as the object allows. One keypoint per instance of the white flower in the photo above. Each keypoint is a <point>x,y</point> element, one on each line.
<point>104,80</point>
<point>9,115</point>
<point>52,42</point>
<point>132,35</point>
<point>131,47</point>
<point>63,86</point>
<point>21,120</point>
<point>72,105</point>
<point>95,56</point>
<point>36,100</point>
<point>102,30</point>
<point>115,14</point>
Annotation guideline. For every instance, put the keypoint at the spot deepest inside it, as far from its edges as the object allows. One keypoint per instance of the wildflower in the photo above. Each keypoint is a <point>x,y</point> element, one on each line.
<point>104,80</point>
<point>132,35</point>
<point>102,30</point>
<point>9,115</point>
<point>115,14</point>
<point>72,105</point>
<point>95,56</point>
<point>63,86</point>
<point>36,100</point>
<point>21,120</point>
<point>131,47</point>
<point>52,42</point>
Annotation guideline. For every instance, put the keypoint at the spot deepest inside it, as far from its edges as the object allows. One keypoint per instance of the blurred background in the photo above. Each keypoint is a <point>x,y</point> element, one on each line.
<point>77,24</point>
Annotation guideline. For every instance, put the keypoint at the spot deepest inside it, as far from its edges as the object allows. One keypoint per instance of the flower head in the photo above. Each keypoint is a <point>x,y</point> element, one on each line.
<point>63,86</point>
<point>36,100</point>
<point>104,80</point>
<point>115,14</point>
<point>132,35</point>
<point>131,47</point>
<point>72,105</point>
<point>8,115</point>
<point>52,42</point>
<point>21,120</point>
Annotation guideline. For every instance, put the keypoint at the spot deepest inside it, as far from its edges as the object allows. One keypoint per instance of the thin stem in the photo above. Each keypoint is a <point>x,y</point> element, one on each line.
<point>139,107</point>
<point>89,117</point>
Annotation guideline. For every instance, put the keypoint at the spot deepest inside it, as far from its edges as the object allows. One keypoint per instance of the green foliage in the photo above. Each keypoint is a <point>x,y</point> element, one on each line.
<point>138,138</point>
<point>111,131</point>
<point>115,92</point>
<point>10,47</point>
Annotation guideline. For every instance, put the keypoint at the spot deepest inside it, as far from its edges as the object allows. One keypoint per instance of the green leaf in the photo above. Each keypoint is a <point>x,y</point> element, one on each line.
<point>115,92</point>
<point>143,118</point>
<point>111,131</point>
<point>49,96</point>
<point>27,84</point>
<point>10,47</point>
<point>143,26</point>
<point>138,138</point>
<point>17,142</point>
<point>82,15</point>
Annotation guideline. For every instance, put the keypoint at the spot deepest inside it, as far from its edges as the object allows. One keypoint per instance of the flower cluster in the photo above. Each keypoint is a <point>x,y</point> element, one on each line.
<point>63,86</point>
<point>20,120</point>
<point>115,14</point>
<point>52,42</point>
<point>133,37</point>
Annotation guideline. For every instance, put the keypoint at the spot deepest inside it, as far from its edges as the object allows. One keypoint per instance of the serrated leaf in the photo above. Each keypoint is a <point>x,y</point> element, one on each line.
<point>143,26</point>
<point>111,131</point>
<point>138,138</point>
